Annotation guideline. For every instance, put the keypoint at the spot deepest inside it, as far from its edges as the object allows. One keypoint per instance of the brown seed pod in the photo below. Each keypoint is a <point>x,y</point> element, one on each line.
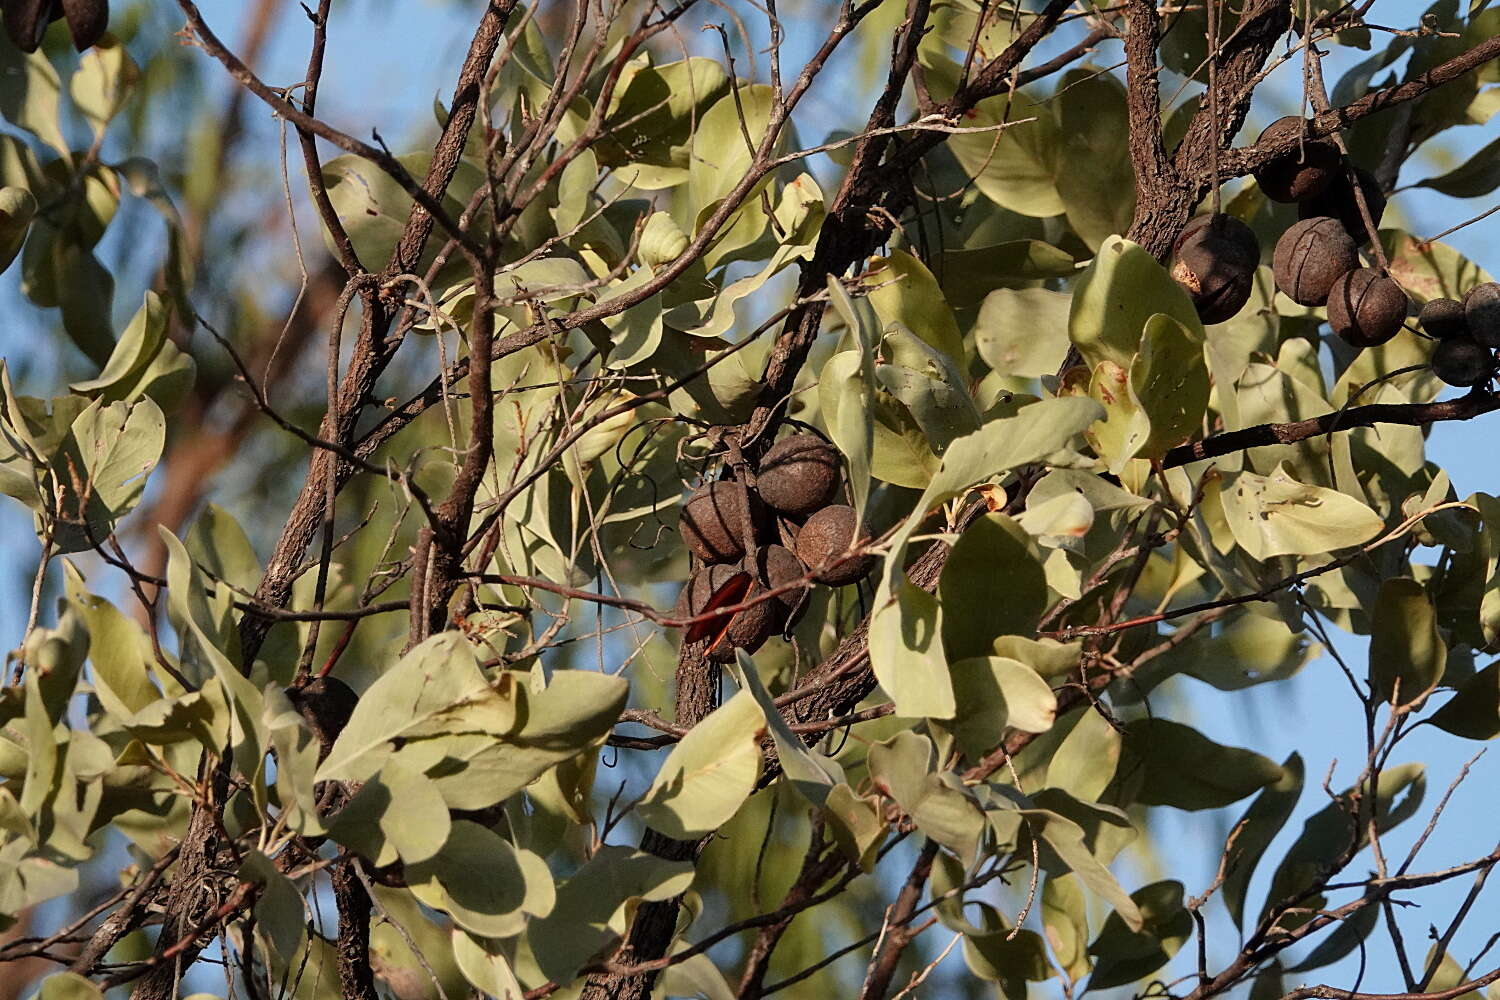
<point>1310,256</point>
<point>1366,307</point>
<point>1339,203</point>
<point>1304,172</point>
<point>777,567</point>
<point>1215,262</point>
<point>1462,361</point>
<point>26,21</point>
<point>326,704</point>
<point>748,629</point>
<point>1482,313</point>
<point>799,474</point>
<point>1443,319</point>
<point>717,519</point>
<point>823,542</point>
<point>87,20</point>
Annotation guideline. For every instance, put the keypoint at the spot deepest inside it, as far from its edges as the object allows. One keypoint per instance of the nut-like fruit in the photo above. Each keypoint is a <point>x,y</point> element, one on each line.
<point>26,21</point>
<point>748,629</point>
<point>87,20</point>
<point>716,521</point>
<point>1305,172</point>
<point>1310,256</point>
<point>1366,307</point>
<point>1339,202</point>
<point>326,703</point>
<point>1482,313</point>
<point>777,567</point>
<point>799,474</point>
<point>824,543</point>
<point>1462,361</point>
<point>1443,319</point>
<point>1215,263</point>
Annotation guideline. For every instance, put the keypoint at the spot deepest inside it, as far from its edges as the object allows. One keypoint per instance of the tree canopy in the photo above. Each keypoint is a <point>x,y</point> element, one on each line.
<point>742,500</point>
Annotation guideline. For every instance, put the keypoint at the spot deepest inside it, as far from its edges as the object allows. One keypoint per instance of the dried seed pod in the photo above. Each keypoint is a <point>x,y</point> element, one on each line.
<point>1366,307</point>
<point>1462,361</point>
<point>1482,313</point>
<point>87,20</point>
<point>1304,172</point>
<point>799,474</point>
<point>777,567</point>
<point>1338,201</point>
<point>748,629</point>
<point>1310,256</point>
<point>326,704</point>
<point>716,521</point>
<point>1215,263</point>
<point>824,542</point>
<point>1443,319</point>
<point>26,21</point>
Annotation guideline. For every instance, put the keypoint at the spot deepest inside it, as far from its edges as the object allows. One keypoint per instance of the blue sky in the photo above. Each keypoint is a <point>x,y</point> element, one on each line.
<point>408,52</point>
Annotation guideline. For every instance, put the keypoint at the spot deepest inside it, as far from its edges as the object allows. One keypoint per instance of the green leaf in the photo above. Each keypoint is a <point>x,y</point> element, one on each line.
<point>1169,385</point>
<point>904,631</point>
<point>1024,331</point>
<point>1474,710</point>
<point>1430,270</point>
<point>103,82</point>
<point>709,773</point>
<point>1329,832</point>
<point>1016,167</point>
<point>432,687</point>
<point>903,768</point>
<point>994,693</point>
<point>279,912</point>
<point>1261,823</point>
<point>649,129</point>
<point>846,395</point>
<point>1276,515</point>
<point>119,650</point>
<point>1126,954</point>
<point>721,155</point>
<point>137,347</point>
<point>1350,934</point>
<point>475,878</point>
<point>980,604</point>
<point>1091,118</point>
<point>68,986</point>
<point>811,773</point>
<point>296,762</point>
<point>1407,655</point>
<point>485,965</point>
<point>1064,848</point>
<point>1184,769</point>
<point>17,209</point>
<point>1065,918</point>
<point>30,90</point>
<point>1113,300</point>
<point>903,291</point>
<point>397,814</point>
<point>929,385</point>
<point>595,904</point>
<point>1479,175</point>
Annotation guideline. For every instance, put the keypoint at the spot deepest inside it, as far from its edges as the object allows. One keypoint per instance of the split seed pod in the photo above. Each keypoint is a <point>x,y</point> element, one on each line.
<point>1366,307</point>
<point>716,521</point>
<point>1310,256</point>
<point>1338,201</point>
<point>747,629</point>
<point>1215,263</point>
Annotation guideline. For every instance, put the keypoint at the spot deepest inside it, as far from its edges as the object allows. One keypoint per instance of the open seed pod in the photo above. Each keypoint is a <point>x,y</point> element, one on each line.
<point>799,474</point>
<point>1443,319</point>
<point>1215,261</point>
<point>1366,307</point>
<point>1482,313</point>
<point>1338,202</point>
<point>717,519</point>
<point>1462,361</point>
<point>1305,172</point>
<point>1310,256</point>
<point>776,566</point>
<point>748,629</point>
<point>823,545</point>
